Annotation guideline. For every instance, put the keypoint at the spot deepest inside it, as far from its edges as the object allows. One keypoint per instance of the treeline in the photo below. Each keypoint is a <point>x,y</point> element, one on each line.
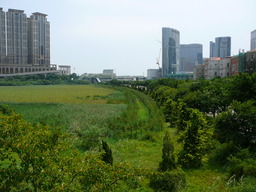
<point>47,79</point>
<point>215,120</point>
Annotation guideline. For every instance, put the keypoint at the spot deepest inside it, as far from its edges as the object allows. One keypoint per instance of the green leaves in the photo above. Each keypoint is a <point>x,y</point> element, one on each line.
<point>238,124</point>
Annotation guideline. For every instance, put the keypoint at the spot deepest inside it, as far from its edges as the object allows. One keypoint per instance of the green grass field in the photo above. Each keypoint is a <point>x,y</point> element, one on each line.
<point>55,94</point>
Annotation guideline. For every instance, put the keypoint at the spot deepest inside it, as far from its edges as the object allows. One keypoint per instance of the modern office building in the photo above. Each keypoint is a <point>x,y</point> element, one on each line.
<point>2,36</point>
<point>170,51</point>
<point>39,40</point>
<point>17,37</point>
<point>221,47</point>
<point>212,49</point>
<point>190,55</point>
<point>253,40</point>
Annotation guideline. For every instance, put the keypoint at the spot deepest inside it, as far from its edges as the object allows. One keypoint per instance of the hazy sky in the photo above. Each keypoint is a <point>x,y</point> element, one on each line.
<point>92,35</point>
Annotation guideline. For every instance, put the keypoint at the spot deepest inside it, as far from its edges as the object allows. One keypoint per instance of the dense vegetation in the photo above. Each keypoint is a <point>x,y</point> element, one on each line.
<point>116,139</point>
<point>46,79</point>
<point>215,122</point>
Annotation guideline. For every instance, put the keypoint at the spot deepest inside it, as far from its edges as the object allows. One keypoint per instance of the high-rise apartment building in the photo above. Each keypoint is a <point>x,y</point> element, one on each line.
<point>221,47</point>
<point>190,55</point>
<point>253,40</point>
<point>2,36</point>
<point>170,51</point>
<point>39,40</point>
<point>24,40</point>
<point>17,37</point>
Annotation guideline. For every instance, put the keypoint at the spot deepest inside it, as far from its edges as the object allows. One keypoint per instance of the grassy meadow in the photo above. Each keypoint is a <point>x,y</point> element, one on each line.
<point>56,94</point>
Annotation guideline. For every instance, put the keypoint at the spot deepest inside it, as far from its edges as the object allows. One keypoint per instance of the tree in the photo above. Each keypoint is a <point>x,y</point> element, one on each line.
<point>168,159</point>
<point>107,155</point>
<point>238,124</point>
<point>214,98</point>
<point>195,140</point>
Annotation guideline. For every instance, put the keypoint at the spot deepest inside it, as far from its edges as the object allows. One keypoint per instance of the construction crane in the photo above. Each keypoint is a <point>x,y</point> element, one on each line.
<point>158,59</point>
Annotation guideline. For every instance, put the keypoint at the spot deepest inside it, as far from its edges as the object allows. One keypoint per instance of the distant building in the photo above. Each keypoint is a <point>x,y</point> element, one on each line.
<point>64,69</point>
<point>24,43</point>
<point>234,65</point>
<point>170,51</point>
<point>250,64</point>
<point>224,67</point>
<point>181,76</point>
<point>221,47</point>
<point>108,71</point>
<point>17,37</point>
<point>153,73</point>
<point>253,40</point>
<point>212,49</point>
<point>198,72</point>
<point>190,55</point>
<point>206,64</point>
<point>213,67</point>
<point>39,40</point>
<point>2,37</point>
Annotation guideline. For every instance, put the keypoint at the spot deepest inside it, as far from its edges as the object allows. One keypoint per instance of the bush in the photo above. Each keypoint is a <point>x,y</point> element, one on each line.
<point>221,153</point>
<point>168,159</point>
<point>168,181</point>
<point>242,164</point>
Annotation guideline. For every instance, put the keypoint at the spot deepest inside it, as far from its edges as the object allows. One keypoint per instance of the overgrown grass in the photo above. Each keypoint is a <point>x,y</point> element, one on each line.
<point>57,94</point>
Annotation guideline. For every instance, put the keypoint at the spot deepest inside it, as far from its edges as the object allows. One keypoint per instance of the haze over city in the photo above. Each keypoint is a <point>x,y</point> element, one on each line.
<point>124,35</point>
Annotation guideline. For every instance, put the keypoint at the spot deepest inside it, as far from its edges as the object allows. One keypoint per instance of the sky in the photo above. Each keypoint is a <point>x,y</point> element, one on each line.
<point>125,35</point>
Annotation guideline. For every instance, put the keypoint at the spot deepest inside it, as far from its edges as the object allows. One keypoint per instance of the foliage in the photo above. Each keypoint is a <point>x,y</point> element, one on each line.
<point>214,98</point>
<point>47,79</point>
<point>242,87</point>
<point>5,109</point>
<point>168,181</point>
<point>195,140</point>
<point>107,154</point>
<point>168,159</point>
<point>238,124</point>
<point>242,164</point>
<point>39,158</point>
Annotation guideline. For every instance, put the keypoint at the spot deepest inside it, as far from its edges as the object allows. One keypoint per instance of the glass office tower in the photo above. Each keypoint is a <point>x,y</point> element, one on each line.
<point>190,54</point>
<point>253,40</point>
<point>222,46</point>
<point>170,51</point>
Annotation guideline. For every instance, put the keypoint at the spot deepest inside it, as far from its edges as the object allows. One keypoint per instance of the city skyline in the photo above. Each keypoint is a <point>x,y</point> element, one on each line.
<point>123,35</point>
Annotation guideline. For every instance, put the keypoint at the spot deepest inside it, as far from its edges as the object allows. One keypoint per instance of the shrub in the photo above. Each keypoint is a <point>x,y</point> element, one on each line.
<point>220,154</point>
<point>107,155</point>
<point>242,164</point>
<point>168,181</point>
<point>168,159</point>
<point>195,140</point>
